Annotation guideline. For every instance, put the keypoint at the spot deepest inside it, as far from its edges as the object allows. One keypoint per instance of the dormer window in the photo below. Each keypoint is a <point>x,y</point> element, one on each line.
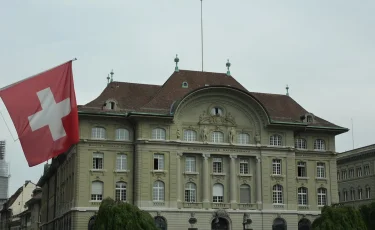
<point>185,84</point>
<point>216,111</point>
<point>309,119</point>
<point>110,105</point>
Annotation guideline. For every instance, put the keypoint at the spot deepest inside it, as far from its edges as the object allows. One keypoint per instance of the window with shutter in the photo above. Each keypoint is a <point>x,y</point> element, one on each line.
<point>245,194</point>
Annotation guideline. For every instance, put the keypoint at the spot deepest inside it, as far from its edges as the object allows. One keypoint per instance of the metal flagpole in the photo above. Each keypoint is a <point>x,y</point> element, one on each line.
<point>202,30</point>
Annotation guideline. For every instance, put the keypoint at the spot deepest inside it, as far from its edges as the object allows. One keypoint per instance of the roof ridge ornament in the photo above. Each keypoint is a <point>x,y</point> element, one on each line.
<point>287,90</point>
<point>176,60</point>
<point>112,75</point>
<point>228,66</point>
<point>108,78</point>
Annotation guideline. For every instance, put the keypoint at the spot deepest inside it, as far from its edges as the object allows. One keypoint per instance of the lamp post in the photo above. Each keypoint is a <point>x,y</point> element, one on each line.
<point>246,221</point>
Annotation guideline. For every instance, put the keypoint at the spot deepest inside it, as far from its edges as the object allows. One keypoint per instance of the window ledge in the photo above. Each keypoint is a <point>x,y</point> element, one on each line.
<point>95,201</point>
<point>321,178</point>
<point>277,175</point>
<point>278,205</point>
<point>245,175</point>
<point>102,171</point>
<point>121,171</point>
<point>158,203</point>
<point>159,172</point>
<point>191,173</point>
<point>218,174</point>
<point>301,206</point>
<point>302,178</point>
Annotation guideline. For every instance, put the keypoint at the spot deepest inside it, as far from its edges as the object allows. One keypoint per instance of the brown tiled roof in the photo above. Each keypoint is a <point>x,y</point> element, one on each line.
<point>132,97</point>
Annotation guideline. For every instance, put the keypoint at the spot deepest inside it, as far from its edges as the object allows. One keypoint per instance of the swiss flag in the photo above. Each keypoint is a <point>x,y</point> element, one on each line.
<point>43,109</point>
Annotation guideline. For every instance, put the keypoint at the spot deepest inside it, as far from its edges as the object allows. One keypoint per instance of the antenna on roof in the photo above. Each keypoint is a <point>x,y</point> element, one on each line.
<point>352,133</point>
<point>202,30</point>
<point>287,90</point>
<point>111,75</point>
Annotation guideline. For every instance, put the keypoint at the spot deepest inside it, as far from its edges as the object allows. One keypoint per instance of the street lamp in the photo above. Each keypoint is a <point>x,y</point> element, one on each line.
<point>246,221</point>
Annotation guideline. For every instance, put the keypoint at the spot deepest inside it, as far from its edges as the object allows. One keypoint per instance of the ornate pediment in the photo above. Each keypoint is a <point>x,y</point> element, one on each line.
<point>208,119</point>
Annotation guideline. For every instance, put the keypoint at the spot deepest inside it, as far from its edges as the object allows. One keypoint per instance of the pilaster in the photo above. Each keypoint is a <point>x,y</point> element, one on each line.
<point>206,185</point>
<point>233,184</point>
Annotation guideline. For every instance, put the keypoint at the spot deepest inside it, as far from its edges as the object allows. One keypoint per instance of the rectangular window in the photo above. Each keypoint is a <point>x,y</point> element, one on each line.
<point>367,170</point>
<point>245,194</point>
<point>352,194</point>
<point>97,161</point>
<point>351,173</point>
<point>344,175</point>
<point>121,162</point>
<point>360,194</point>
<point>217,165</point>
<point>190,164</point>
<point>244,166</point>
<point>302,196</point>
<point>158,162</point>
<point>368,193</point>
<point>276,167</point>
<point>359,172</point>
<point>320,170</point>
<point>301,167</point>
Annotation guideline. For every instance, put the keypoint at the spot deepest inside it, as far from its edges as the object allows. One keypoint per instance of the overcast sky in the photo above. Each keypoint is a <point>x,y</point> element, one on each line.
<point>323,49</point>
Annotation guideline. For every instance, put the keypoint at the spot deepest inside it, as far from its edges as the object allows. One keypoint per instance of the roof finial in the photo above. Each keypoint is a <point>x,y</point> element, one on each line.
<point>176,60</point>
<point>228,65</point>
<point>287,90</point>
<point>112,75</point>
<point>108,79</point>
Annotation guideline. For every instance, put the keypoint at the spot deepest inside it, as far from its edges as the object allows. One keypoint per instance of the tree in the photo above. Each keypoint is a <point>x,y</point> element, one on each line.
<point>118,215</point>
<point>368,215</point>
<point>339,218</point>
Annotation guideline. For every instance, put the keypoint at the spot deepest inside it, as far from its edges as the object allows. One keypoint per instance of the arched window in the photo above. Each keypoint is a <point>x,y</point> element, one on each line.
<point>91,223</point>
<point>185,84</point>
<point>322,196</point>
<point>160,223</point>
<point>97,190</point>
<point>122,135</point>
<point>243,138</point>
<point>277,196</point>
<point>98,133</point>
<point>302,196</point>
<point>190,135</point>
<point>217,137</point>
<point>158,134</point>
<point>275,140</point>
<point>158,191</point>
<point>121,191</point>
<point>218,193</point>
<point>300,143</point>
<point>304,224</point>
<point>368,192</point>
<point>190,192</point>
<point>319,144</point>
<point>245,194</point>
<point>279,224</point>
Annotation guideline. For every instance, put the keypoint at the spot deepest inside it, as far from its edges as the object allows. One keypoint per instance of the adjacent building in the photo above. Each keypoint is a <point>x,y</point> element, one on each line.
<point>355,176</point>
<point>30,218</point>
<point>15,205</point>
<point>198,151</point>
<point>4,175</point>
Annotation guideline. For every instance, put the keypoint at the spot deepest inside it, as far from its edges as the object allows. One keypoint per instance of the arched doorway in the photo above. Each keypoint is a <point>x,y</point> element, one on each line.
<point>160,223</point>
<point>304,224</point>
<point>91,223</point>
<point>219,223</point>
<point>279,224</point>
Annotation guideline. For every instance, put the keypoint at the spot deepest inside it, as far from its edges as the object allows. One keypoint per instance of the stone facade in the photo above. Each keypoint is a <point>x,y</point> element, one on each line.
<point>217,159</point>
<point>355,174</point>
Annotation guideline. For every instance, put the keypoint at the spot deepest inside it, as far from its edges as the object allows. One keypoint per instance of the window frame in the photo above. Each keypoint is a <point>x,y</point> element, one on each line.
<point>98,133</point>
<point>244,166</point>
<point>218,162</point>
<point>276,167</point>
<point>190,195</point>
<point>120,191</point>
<point>322,196</point>
<point>321,170</point>
<point>190,135</point>
<point>122,161</point>
<point>190,164</point>
<point>98,161</point>
<point>158,161</point>
<point>217,137</point>
<point>158,191</point>
<point>243,138</point>
<point>159,134</point>
<point>125,134</point>
<point>303,166</point>
<point>277,194</point>
<point>319,144</point>
<point>276,140</point>
<point>300,143</point>
<point>302,196</point>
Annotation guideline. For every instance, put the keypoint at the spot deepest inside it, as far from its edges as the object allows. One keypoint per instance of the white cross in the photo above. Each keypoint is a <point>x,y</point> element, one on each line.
<point>51,114</point>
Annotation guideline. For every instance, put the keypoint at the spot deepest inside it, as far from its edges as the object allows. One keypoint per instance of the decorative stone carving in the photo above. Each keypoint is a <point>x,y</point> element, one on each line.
<point>232,135</point>
<point>258,160</point>
<point>257,138</point>
<point>205,134</point>
<point>179,155</point>
<point>220,213</point>
<point>206,156</point>
<point>158,213</point>
<point>178,134</point>
<point>227,120</point>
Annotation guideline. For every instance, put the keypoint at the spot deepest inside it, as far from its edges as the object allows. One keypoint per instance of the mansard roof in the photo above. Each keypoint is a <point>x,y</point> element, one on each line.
<point>159,99</point>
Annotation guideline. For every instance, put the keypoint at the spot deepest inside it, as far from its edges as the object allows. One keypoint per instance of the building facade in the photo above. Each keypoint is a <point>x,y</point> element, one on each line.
<point>355,175</point>
<point>14,206</point>
<point>198,152</point>
<point>4,175</point>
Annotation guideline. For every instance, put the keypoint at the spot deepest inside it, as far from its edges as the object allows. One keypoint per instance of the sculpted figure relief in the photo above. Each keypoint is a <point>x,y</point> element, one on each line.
<point>232,135</point>
<point>257,138</point>
<point>178,133</point>
<point>205,134</point>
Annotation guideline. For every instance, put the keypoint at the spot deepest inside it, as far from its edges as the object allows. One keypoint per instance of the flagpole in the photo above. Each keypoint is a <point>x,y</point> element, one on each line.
<point>74,59</point>
<point>202,30</point>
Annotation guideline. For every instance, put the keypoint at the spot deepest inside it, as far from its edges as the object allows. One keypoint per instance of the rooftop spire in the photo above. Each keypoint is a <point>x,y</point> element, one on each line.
<point>108,79</point>
<point>112,75</point>
<point>287,90</point>
<point>228,66</point>
<point>176,60</point>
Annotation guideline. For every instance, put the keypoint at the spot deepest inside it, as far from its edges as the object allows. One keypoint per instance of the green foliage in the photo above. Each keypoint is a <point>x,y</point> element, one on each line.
<point>117,215</point>
<point>339,218</point>
<point>368,215</point>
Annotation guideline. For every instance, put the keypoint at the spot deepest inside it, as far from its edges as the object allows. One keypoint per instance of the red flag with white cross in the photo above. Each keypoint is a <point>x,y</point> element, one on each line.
<point>43,109</point>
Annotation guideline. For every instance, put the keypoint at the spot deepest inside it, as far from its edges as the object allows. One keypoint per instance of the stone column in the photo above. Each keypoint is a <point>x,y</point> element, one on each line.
<point>233,182</point>
<point>206,182</point>
<point>259,182</point>
<point>178,177</point>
